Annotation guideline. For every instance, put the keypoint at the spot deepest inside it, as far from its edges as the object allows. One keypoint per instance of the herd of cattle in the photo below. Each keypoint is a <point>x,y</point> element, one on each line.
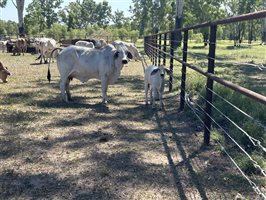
<point>88,59</point>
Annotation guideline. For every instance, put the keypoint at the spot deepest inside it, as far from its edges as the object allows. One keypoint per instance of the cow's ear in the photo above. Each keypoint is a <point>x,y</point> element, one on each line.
<point>167,71</point>
<point>116,54</point>
<point>155,71</point>
<point>129,55</point>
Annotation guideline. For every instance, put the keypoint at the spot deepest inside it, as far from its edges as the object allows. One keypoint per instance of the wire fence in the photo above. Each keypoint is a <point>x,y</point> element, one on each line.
<point>162,48</point>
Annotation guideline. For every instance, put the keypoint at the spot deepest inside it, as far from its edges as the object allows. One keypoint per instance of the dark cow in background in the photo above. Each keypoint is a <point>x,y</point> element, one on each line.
<point>4,73</point>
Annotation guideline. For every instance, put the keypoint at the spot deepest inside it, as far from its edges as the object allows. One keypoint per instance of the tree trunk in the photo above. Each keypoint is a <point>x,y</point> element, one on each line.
<point>264,26</point>
<point>20,9</point>
<point>178,22</point>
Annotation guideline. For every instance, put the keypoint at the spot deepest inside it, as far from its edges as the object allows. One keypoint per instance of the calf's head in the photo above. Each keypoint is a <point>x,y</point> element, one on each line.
<point>162,70</point>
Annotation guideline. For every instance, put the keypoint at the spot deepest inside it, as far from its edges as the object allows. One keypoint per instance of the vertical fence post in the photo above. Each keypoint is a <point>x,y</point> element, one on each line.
<point>156,50</point>
<point>153,50</point>
<point>172,43</point>
<point>160,48</point>
<point>145,45</point>
<point>184,69</point>
<point>164,48</point>
<point>208,108</point>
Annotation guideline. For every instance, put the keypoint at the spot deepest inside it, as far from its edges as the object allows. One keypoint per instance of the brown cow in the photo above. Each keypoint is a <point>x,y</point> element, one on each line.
<point>20,46</point>
<point>4,73</point>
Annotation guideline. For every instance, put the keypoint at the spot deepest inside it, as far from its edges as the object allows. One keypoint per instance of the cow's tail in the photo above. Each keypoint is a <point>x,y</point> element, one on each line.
<point>49,73</point>
<point>38,57</point>
<point>144,64</point>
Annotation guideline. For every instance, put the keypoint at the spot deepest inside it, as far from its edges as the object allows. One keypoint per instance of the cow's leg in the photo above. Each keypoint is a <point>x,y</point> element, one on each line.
<point>104,89</point>
<point>4,78</point>
<point>63,90</point>
<point>146,93</point>
<point>67,89</point>
<point>41,59</point>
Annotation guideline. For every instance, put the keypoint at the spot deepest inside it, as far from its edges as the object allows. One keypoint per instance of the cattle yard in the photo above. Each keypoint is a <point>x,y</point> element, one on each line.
<point>85,150</point>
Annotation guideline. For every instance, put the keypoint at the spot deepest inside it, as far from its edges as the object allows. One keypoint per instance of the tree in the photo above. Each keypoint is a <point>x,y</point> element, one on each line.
<point>103,11</point>
<point>88,13</point>
<point>118,18</point>
<point>72,16</point>
<point>20,8</point>
<point>203,11</point>
<point>43,13</point>
<point>3,3</point>
<point>264,26</point>
<point>141,9</point>
<point>179,21</point>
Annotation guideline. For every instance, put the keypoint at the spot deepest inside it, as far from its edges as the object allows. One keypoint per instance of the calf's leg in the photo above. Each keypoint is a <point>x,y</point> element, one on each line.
<point>146,87</point>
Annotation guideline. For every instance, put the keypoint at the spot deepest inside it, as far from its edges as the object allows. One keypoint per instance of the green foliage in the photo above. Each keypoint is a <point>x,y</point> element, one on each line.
<point>42,13</point>
<point>3,3</point>
<point>8,27</point>
<point>57,31</point>
<point>247,165</point>
<point>134,36</point>
<point>122,33</point>
<point>2,28</point>
<point>197,37</point>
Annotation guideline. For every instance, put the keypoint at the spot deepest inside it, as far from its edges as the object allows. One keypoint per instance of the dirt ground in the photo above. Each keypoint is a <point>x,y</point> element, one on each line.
<point>85,150</point>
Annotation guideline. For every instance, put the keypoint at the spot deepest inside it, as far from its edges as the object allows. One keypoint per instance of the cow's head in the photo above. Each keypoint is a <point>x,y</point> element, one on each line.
<point>123,54</point>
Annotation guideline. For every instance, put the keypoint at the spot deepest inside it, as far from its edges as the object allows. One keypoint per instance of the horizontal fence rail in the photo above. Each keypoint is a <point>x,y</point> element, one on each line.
<point>163,45</point>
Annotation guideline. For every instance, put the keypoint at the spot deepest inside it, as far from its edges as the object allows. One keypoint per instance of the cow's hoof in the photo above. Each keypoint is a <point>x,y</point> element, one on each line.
<point>104,102</point>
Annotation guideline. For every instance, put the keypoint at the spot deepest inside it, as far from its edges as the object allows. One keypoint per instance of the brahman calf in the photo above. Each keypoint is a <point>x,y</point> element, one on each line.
<point>154,81</point>
<point>84,63</point>
<point>4,73</point>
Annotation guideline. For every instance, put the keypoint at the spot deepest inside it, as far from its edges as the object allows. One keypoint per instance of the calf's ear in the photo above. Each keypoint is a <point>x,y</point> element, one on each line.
<point>116,54</point>
<point>155,71</point>
<point>129,55</point>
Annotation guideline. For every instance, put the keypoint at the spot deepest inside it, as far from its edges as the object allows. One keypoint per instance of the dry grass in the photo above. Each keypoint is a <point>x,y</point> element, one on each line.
<point>84,150</point>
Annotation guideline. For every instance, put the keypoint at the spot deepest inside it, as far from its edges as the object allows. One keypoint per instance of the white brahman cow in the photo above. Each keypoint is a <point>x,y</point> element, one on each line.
<point>154,81</point>
<point>131,48</point>
<point>83,43</point>
<point>3,46</point>
<point>84,63</point>
<point>44,46</point>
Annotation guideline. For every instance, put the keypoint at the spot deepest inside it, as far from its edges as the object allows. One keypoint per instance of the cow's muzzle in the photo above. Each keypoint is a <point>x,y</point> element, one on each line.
<point>124,62</point>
